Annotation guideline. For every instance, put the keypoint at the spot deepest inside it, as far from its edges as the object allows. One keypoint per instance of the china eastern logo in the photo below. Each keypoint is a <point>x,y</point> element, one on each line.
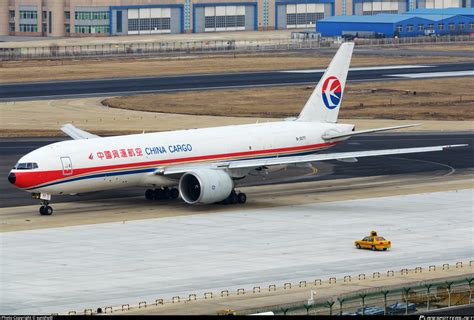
<point>331,92</point>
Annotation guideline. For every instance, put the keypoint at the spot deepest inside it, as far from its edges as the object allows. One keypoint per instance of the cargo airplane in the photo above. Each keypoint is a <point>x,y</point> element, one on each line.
<point>200,165</point>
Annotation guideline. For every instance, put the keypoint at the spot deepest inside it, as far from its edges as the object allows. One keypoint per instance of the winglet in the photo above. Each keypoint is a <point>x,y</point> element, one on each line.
<point>76,133</point>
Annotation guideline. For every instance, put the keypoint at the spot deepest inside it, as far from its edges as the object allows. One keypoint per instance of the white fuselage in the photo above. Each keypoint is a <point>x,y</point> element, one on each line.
<point>79,166</point>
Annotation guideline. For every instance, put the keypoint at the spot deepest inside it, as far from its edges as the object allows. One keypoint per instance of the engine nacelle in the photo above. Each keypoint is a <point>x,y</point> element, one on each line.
<point>205,186</point>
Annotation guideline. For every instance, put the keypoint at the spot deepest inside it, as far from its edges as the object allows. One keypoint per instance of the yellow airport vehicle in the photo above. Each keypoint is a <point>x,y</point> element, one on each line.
<point>373,242</point>
<point>226,312</point>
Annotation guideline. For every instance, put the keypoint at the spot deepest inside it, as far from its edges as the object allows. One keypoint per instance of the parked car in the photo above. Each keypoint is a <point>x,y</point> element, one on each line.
<point>401,307</point>
<point>370,311</point>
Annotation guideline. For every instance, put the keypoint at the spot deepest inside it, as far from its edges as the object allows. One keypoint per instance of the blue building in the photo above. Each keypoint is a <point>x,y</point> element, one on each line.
<point>412,24</point>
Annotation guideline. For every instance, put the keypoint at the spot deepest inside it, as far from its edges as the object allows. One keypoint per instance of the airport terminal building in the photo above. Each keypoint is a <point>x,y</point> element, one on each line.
<point>132,17</point>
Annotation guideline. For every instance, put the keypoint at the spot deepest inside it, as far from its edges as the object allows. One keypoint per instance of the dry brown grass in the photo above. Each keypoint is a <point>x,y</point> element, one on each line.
<point>48,70</point>
<point>435,99</point>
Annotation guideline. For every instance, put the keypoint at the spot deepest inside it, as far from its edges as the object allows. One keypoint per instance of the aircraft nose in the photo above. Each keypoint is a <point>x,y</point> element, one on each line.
<point>12,178</point>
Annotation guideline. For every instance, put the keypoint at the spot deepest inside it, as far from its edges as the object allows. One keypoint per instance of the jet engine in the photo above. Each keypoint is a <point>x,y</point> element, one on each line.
<point>205,186</point>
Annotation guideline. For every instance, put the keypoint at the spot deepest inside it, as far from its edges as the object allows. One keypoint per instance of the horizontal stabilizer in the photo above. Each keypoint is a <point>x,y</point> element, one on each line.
<point>335,135</point>
<point>76,133</point>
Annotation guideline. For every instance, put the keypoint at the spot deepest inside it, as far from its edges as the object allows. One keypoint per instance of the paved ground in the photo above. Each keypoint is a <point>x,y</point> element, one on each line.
<point>125,86</point>
<point>12,149</point>
<point>71,268</point>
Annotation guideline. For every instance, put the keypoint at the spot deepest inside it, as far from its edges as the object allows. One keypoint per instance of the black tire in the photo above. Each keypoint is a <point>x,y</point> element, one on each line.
<point>358,246</point>
<point>157,194</point>
<point>174,193</point>
<point>233,198</point>
<point>384,249</point>
<point>373,248</point>
<point>46,210</point>
<point>149,194</point>
<point>241,198</point>
<point>166,193</point>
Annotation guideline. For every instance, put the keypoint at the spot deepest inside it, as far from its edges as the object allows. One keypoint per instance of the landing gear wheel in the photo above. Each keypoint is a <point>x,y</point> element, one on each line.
<point>149,194</point>
<point>46,210</point>
<point>241,198</point>
<point>174,193</point>
<point>233,198</point>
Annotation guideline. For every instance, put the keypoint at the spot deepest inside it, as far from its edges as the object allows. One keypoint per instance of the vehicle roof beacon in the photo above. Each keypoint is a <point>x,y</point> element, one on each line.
<point>373,233</point>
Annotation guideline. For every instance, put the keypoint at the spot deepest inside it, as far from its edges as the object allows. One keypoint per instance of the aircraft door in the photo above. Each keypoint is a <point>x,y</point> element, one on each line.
<point>67,166</point>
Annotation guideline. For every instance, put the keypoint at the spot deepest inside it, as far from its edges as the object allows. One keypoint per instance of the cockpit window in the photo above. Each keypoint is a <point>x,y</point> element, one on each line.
<point>26,166</point>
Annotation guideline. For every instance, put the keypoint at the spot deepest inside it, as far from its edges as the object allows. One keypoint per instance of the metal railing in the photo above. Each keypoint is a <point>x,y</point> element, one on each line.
<point>161,48</point>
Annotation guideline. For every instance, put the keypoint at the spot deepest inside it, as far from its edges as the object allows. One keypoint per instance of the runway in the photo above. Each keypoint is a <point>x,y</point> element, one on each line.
<point>99,265</point>
<point>125,86</point>
<point>12,149</point>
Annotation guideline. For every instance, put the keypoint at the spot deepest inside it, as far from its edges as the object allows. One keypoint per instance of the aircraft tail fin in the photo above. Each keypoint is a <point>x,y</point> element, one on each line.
<point>323,104</point>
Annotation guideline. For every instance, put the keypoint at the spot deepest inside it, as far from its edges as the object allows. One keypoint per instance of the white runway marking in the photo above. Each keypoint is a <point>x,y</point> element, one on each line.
<point>361,68</point>
<point>435,74</point>
<point>90,266</point>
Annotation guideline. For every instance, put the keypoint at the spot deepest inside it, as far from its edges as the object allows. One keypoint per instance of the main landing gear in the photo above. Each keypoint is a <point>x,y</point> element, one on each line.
<point>162,194</point>
<point>235,198</point>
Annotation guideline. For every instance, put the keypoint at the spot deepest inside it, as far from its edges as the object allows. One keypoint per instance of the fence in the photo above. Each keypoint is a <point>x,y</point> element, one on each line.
<point>427,295</point>
<point>159,48</point>
<point>423,297</point>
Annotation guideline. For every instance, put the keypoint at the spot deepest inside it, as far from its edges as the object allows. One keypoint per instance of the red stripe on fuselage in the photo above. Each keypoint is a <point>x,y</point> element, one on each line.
<point>30,179</point>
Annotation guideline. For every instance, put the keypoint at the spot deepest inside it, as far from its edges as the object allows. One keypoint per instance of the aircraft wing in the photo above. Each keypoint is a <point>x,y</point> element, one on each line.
<point>335,135</point>
<point>241,164</point>
<point>76,133</point>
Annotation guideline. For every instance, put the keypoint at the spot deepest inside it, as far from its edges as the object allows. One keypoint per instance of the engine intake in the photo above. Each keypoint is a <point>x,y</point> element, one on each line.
<point>205,186</point>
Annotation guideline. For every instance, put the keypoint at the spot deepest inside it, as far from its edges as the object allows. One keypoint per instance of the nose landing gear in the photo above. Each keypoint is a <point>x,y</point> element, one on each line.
<point>45,209</point>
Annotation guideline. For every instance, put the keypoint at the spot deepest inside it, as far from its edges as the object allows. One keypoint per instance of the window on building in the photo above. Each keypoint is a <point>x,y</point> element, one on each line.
<point>471,25</point>
<point>25,14</point>
<point>410,28</point>
<point>44,27</point>
<point>441,26</point>
<point>133,24</point>
<point>303,18</point>
<point>92,29</point>
<point>12,26</point>
<point>12,14</point>
<point>421,27</point>
<point>210,22</point>
<point>399,28</point>
<point>461,26</point>
<point>431,27</point>
<point>144,24</point>
<point>67,15</point>
<point>91,15</point>
<point>291,19</point>
<point>119,21</point>
<point>220,21</point>
<point>67,27</point>
<point>452,27</point>
<point>28,28</point>
<point>45,15</point>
